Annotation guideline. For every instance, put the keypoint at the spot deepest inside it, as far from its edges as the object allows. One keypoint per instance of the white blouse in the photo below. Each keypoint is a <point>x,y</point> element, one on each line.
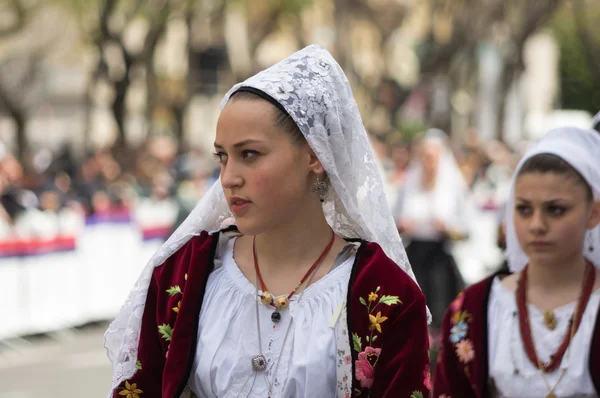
<point>513,374</point>
<point>305,366</point>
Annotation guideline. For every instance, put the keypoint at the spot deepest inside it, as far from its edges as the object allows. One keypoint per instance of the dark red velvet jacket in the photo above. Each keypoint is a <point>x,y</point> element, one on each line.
<point>398,356</point>
<point>458,377</point>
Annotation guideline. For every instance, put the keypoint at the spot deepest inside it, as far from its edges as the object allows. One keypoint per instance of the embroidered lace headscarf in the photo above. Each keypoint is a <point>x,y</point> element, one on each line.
<point>581,149</point>
<point>314,91</point>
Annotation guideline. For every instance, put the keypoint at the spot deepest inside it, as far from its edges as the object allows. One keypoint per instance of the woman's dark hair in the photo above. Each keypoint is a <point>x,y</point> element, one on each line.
<point>282,119</point>
<point>549,163</point>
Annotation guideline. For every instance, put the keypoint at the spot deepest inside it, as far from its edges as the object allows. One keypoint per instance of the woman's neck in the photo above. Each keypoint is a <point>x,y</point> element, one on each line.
<point>294,244</point>
<point>428,181</point>
<point>556,276</point>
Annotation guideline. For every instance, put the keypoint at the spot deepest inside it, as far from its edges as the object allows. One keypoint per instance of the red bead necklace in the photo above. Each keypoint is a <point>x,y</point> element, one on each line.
<point>283,302</point>
<point>525,326</point>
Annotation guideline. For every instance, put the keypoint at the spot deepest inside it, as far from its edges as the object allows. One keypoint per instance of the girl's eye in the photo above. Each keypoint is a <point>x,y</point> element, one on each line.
<point>219,156</point>
<point>523,210</point>
<point>249,154</point>
<point>556,210</point>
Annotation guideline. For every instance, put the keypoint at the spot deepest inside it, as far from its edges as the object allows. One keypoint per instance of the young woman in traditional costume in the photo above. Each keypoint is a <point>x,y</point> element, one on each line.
<point>310,293</point>
<point>536,332</point>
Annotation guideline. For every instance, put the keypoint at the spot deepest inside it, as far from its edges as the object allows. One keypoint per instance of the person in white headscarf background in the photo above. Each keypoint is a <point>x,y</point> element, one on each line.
<point>431,212</point>
<point>536,332</point>
<point>289,278</point>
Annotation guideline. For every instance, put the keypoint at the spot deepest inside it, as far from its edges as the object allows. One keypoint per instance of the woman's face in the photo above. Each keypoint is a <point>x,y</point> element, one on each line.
<point>552,214</point>
<point>430,157</point>
<point>266,177</point>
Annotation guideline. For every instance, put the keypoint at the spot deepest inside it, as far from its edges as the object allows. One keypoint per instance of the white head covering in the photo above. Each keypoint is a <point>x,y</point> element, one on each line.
<point>313,89</point>
<point>596,121</point>
<point>581,149</point>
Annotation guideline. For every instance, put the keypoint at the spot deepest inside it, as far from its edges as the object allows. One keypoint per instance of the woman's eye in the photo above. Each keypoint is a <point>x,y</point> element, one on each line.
<point>249,154</point>
<point>219,156</point>
<point>556,210</point>
<point>523,210</point>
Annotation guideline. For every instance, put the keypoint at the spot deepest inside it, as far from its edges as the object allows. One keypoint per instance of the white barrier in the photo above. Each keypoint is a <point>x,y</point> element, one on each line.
<point>47,292</point>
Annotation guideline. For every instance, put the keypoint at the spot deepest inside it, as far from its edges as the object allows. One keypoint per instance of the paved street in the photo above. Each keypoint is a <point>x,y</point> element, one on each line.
<point>65,365</point>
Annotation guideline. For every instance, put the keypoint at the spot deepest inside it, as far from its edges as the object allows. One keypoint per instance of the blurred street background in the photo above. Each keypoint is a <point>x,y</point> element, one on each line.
<point>107,118</point>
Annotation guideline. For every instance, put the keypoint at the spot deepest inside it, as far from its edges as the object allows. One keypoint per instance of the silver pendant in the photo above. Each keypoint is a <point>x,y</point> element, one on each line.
<point>259,363</point>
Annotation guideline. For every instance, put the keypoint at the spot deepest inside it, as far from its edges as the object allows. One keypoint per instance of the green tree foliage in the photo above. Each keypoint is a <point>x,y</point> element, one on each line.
<point>577,38</point>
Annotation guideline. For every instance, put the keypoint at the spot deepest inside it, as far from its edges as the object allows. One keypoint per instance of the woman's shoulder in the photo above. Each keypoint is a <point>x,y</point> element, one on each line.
<point>197,252</point>
<point>375,270</point>
<point>475,297</point>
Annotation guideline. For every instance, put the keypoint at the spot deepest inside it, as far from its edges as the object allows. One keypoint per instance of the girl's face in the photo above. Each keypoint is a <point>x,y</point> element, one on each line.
<point>266,177</point>
<point>552,214</point>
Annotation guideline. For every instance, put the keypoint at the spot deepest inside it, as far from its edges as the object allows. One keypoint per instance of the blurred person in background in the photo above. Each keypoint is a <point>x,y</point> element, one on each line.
<point>430,213</point>
<point>535,332</point>
<point>400,155</point>
<point>219,311</point>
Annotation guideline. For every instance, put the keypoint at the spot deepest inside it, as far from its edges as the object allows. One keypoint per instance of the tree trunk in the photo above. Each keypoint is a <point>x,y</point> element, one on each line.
<point>21,138</point>
<point>119,111</point>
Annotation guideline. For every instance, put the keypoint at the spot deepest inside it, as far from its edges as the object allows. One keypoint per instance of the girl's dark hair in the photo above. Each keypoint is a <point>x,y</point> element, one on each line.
<point>549,163</point>
<point>282,119</point>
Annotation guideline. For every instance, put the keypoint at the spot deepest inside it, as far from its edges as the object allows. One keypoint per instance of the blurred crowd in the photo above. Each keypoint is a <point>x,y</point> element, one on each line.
<point>48,194</point>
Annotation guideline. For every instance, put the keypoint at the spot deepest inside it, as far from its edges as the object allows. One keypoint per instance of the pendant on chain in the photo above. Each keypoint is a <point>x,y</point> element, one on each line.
<point>276,316</point>
<point>259,363</point>
<point>550,320</point>
<point>551,395</point>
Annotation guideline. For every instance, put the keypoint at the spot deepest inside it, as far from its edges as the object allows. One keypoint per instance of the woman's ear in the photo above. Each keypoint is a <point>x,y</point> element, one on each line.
<point>594,218</point>
<point>314,163</point>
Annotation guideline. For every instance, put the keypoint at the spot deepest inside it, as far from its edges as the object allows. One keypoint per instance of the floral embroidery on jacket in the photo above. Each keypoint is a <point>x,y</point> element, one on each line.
<point>369,355</point>
<point>166,330</point>
<point>427,377</point>
<point>130,390</point>
<point>463,347</point>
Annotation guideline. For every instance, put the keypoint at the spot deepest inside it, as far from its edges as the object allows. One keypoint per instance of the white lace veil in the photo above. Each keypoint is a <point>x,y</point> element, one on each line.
<point>313,89</point>
<point>581,149</point>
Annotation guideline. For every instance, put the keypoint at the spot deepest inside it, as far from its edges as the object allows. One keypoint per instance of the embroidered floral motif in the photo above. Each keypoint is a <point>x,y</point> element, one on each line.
<point>457,302</point>
<point>344,359</point>
<point>174,290</point>
<point>376,321</point>
<point>176,309</point>
<point>465,351</point>
<point>130,390</point>
<point>427,377</point>
<point>460,319</point>
<point>369,356</point>
<point>365,366</point>
<point>416,394</point>
<point>166,331</point>
<point>458,332</point>
<point>138,365</point>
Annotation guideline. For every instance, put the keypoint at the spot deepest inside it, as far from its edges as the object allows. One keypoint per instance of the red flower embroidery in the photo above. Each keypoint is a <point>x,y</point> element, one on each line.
<point>365,371</point>
<point>427,377</point>
<point>458,302</point>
